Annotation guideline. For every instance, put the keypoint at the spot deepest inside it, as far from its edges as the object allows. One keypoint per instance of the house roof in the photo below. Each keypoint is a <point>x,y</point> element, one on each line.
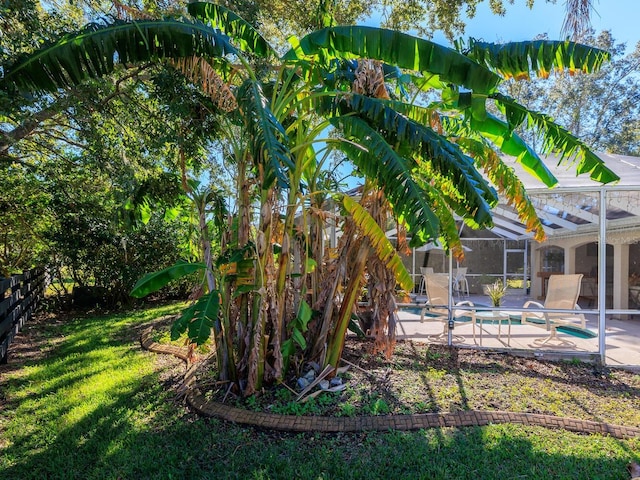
<point>572,207</point>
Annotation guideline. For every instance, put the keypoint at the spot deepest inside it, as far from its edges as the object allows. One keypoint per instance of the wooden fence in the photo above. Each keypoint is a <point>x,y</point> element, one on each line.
<point>19,296</point>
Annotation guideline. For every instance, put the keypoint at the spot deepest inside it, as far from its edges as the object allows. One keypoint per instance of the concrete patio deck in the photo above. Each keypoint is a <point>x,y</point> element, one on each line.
<point>622,336</point>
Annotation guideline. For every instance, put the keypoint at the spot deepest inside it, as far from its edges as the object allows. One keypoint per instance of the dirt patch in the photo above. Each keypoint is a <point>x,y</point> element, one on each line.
<point>423,378</point>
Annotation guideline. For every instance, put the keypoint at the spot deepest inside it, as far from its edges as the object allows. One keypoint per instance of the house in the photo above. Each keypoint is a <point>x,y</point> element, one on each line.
<point>576,214</point>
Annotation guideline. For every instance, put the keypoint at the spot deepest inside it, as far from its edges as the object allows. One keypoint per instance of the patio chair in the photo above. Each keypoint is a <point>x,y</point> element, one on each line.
<point>437,286</point>
<point>460,283</point>
<point>562,293</point>
<point>424,271</point>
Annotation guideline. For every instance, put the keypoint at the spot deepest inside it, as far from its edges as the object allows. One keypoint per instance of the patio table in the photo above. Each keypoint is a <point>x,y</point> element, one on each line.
<point>494,316</point>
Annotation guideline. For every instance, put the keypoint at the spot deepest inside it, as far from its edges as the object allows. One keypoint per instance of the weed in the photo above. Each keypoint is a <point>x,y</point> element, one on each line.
<point>377,406</point>
<point>424,406</point>
<point>433,356</point>
<point>252,403</point>
<point>347,410</point>
<point>435,374</point>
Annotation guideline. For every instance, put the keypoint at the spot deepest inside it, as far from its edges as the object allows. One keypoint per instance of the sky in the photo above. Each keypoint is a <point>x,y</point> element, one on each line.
<point>522,23</point>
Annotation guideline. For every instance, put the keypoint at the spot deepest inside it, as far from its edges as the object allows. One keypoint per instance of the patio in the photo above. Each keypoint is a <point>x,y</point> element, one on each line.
<point>591,230</point>
<point>621,335</point>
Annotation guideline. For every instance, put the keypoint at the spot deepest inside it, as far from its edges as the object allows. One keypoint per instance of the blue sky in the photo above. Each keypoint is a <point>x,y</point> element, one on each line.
<point>521,23</point>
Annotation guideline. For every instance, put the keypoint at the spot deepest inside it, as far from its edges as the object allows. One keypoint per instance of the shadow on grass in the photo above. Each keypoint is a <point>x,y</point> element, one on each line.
<point>105,446</point>
<point>590,377</point>
<point>64,426</point>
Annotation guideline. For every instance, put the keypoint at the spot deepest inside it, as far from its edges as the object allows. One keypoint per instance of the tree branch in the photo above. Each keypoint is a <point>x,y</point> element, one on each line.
<point>26,128</point>
<point>10,159</point>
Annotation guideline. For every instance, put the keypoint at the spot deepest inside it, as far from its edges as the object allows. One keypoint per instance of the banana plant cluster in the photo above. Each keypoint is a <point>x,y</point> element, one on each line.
<point>276,296</point>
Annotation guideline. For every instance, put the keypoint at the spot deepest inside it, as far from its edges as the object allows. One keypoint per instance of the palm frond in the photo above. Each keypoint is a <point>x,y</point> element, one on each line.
<point>396,48</point>
<point>269,136</point>
<point>247,37</point>
<point>379,241</point>
<point>96,50</point>
<point>558,140</point>
<point>577,20</point>
<point>518,59</point>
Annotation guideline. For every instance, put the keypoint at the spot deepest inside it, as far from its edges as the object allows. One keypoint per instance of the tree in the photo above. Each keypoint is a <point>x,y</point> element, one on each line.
<point>421,164</point>
<point>23,221</point>
<point>119,134</point>
<point>281,19</point>
<point>577,22</point>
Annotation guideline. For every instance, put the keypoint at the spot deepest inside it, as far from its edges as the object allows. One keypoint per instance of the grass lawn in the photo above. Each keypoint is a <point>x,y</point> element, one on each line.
<point>80,399</point>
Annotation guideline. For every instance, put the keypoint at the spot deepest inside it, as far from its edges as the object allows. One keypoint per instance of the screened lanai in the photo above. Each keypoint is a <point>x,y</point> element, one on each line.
<point>592,230</point>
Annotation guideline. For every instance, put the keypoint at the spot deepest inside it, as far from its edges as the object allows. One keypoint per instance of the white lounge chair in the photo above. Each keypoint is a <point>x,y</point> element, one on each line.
<point>424,271</point>
<point>437,286</point>
<point>562,294</point>
<point>460,283</point>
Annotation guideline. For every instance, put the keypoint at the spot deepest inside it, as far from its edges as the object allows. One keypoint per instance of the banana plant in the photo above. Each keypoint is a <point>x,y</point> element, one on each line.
<point>424,162</point>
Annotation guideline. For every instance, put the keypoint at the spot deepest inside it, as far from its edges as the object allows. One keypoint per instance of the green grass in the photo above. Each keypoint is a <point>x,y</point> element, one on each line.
<point>94,408</point>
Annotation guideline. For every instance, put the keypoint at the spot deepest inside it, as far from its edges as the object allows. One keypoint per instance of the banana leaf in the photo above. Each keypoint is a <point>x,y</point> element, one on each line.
<point>510,143</point>
<point>417,139</point>
<point>380,243</point>
<point>198,319</point>
<point>96,50</point>
<point>517,59</point>
<point>247,37</point>
<point>397,48</point>
<point>152,282</point>
<point>268,135</point>
<point>558,140</point>
<point>507,183</point>
<point>393,175</point>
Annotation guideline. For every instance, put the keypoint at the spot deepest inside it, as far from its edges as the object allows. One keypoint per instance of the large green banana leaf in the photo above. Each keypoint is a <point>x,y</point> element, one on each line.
<point>152,282</point>
<point>96,50</point>
<point>268,135</point>
<point>445,157</point>
<point>396,48</point>
<point>517,59</point>
<point>236,27</point>
<point>393,175</point>
<point>198,319</point>
<point>557,139</point>
<point>510,143</point>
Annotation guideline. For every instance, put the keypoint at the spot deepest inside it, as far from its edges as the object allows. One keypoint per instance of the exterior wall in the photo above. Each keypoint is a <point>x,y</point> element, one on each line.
<point>581,256</point>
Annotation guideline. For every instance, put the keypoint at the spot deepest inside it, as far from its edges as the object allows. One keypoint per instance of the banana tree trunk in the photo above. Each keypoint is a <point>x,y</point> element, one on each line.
<point>243,235</point>
<point>221,333</point>
<point>261,308</point>
<point>382,284</point>
<point>337,338</point>
<point>282,293</point>
<point>317,250</point>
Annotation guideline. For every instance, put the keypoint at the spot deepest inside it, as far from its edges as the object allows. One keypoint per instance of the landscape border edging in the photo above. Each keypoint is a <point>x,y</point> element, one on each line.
<point>292,423</point>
